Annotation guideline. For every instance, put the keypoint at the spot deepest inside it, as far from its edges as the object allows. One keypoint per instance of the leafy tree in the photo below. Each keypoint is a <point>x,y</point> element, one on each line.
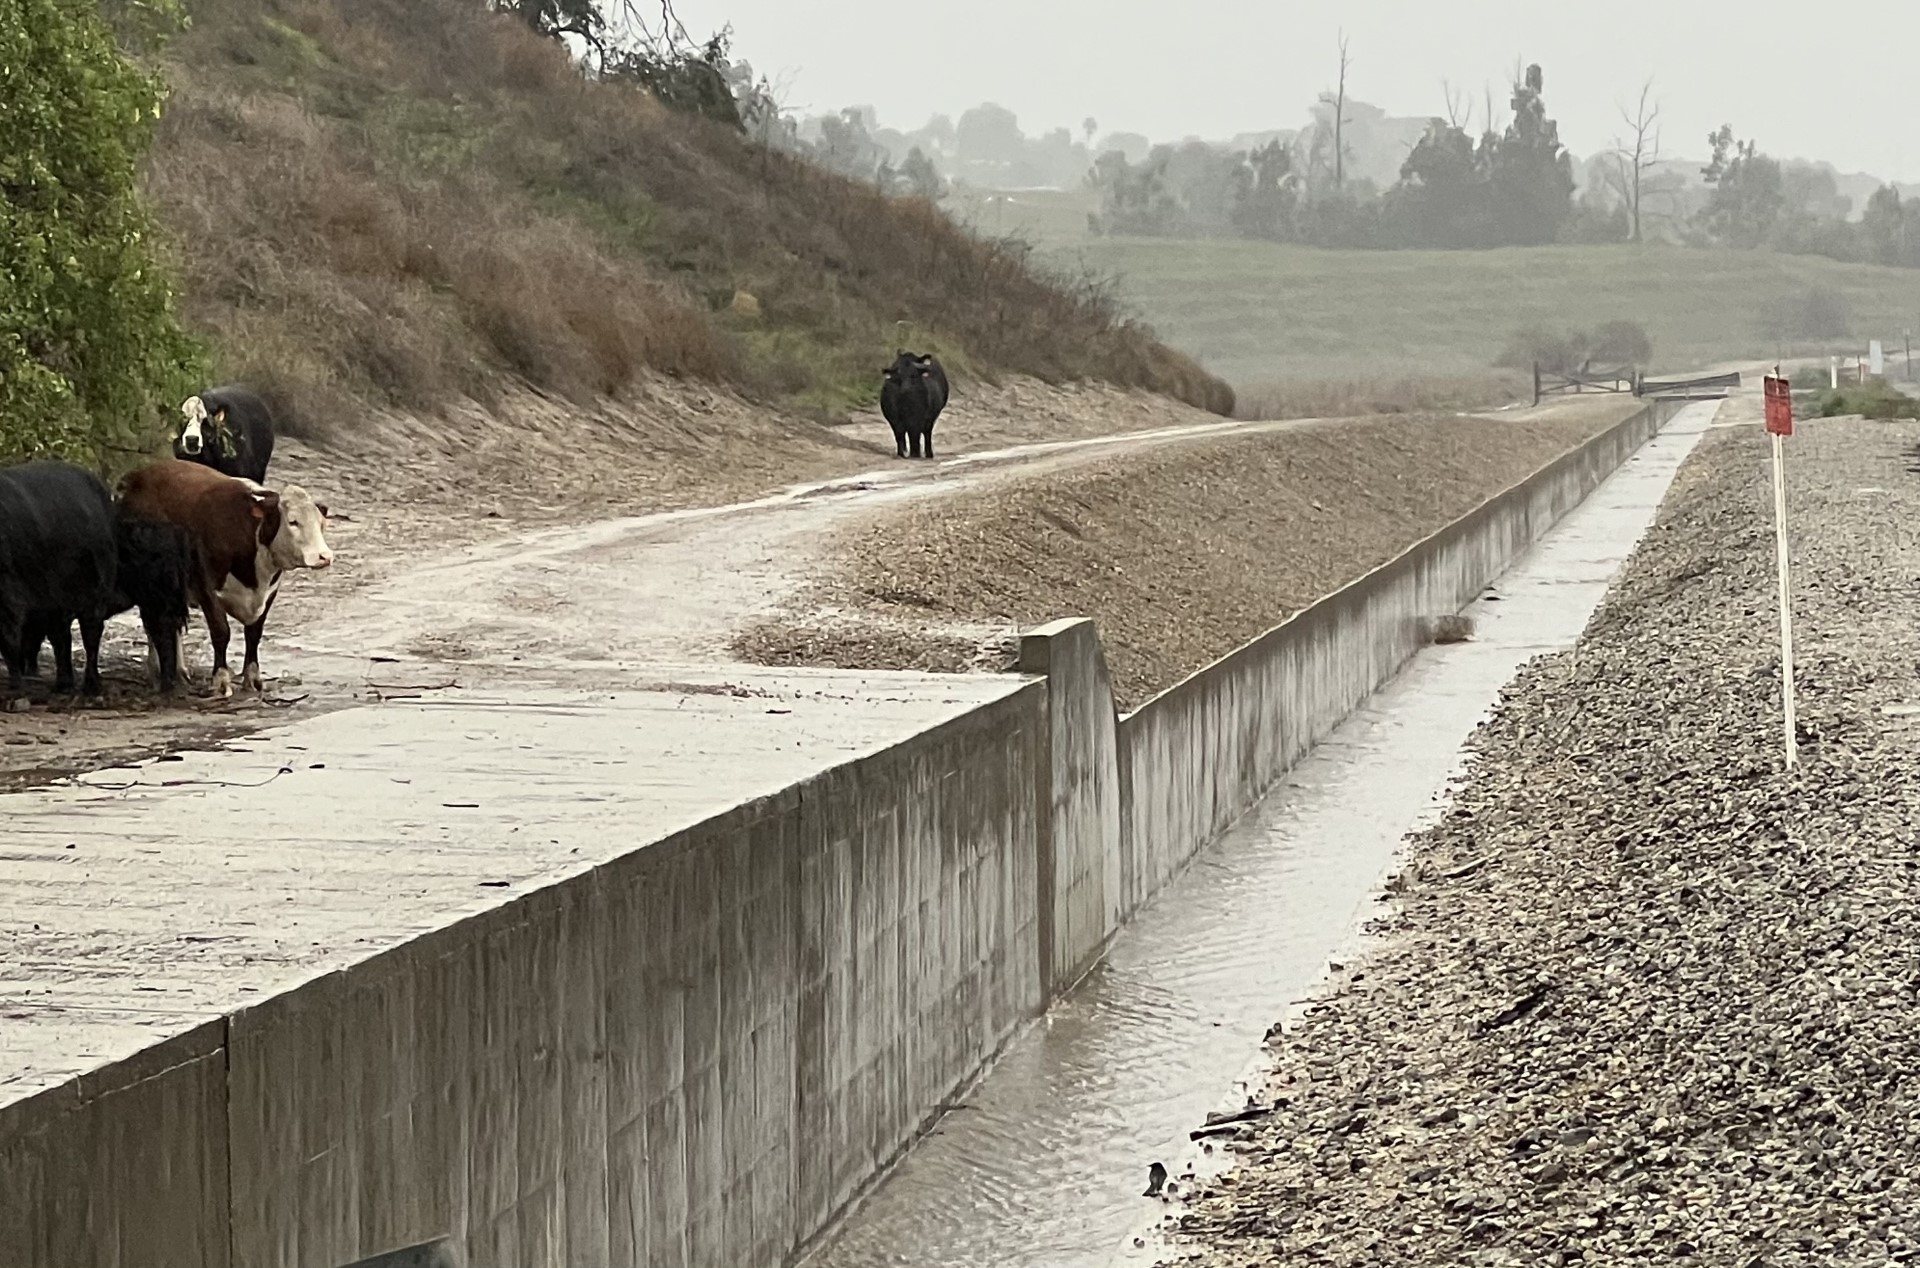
<point>1890,229</point>
<point>1134,198</point>
<point>90,348</point>
<point>847,147</point>
<point>1748,195</point>
<point>693,80</point>
<point>1532,172</point>
<point>1202,178</point>
<point>989,134</point>
<point>558,19</point>
<point>1266,193</point>
<point>1444,195</point>
<point>921,178</point>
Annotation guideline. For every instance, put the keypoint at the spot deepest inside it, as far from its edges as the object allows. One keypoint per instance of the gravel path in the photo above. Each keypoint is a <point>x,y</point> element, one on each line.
<point>1642,996</point>
<point>1180,555</point>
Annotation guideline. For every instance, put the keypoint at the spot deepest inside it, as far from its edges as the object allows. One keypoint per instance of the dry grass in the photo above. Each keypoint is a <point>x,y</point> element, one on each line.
<point>408,203</point>
<point>1352,398</point>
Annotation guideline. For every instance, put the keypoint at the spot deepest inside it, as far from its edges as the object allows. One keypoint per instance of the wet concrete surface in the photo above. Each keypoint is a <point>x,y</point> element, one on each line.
<point>139,901</point>
<point>1045,1161</point>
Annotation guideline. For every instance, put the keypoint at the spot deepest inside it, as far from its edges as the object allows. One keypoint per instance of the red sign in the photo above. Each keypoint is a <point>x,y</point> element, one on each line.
<point>1779,406</point>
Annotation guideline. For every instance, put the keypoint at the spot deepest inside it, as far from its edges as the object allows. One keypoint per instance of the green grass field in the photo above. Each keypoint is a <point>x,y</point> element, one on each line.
<point>1256,312</point>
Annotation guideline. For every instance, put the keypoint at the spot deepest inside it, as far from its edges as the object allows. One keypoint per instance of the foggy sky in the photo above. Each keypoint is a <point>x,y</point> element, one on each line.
<point>1213,68</point>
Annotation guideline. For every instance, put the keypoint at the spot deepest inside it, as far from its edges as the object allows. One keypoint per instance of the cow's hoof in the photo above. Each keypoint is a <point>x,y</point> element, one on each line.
<point>222,684</point>
<point>250,678</point>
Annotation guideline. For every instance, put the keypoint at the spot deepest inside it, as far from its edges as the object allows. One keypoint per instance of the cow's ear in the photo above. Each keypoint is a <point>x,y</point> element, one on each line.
<point>220,415</point>
<point>322,508</point>
<point>263,501</point>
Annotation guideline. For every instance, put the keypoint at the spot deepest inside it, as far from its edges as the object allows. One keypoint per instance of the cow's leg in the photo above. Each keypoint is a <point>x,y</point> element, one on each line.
<point>90,631</point>
<point>929,440</point>
<point>163,652</point>
<point>250,672</point>
<point>31,636</point>
<point>59,632</point>
<point>12,651</point>
<point>16,686</point>
<point>899,441</point>
<point>219,631</point>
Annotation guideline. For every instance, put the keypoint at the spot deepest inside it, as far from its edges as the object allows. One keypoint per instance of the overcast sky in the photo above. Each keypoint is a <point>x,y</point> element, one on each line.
<point>1215,68</point>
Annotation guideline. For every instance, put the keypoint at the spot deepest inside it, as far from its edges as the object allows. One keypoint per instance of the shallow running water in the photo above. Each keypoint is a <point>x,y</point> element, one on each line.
<point>1047,1161</point>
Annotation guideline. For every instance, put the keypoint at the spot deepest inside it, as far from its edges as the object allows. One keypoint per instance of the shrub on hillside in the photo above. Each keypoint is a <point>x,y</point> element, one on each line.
<point>1612,345</point>
<point>89,347</point>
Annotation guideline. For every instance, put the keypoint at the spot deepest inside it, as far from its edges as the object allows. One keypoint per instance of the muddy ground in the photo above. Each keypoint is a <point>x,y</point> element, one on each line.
<point>565,549</point>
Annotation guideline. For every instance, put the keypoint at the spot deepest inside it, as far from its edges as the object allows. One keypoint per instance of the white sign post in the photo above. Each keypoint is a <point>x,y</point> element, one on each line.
<point>1876,361</point>
<point>1833,373</point>
<point>1779,399</point>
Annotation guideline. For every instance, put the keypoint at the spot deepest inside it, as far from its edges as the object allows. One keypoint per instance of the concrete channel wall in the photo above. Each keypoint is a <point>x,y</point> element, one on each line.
<point>699,1053</point>
<point>694,1055</point>
<point>1189,762</point>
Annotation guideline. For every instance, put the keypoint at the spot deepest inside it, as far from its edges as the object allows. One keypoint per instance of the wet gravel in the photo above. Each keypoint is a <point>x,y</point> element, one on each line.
<point>1642,995</point>
<point>1179,554</point>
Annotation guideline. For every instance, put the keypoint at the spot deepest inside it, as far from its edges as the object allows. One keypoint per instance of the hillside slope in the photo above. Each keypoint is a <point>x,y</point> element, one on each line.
<point>388,208</point>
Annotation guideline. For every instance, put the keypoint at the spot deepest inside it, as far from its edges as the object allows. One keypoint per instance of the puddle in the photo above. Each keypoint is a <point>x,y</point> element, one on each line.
<point>1046,1161</point>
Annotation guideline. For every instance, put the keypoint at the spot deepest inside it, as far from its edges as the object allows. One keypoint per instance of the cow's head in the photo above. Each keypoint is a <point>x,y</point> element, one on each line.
<point>292,526</point>
<point>908,367</point>
<point>200,428</point>
<point>192,437</point>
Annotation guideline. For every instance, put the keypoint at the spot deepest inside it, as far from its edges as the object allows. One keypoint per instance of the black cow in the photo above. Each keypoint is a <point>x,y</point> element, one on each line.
<point>155,570</point>
<point>229,429</point>
<point>152,568</point>
<point>58,562</point>
<point>912,394</point>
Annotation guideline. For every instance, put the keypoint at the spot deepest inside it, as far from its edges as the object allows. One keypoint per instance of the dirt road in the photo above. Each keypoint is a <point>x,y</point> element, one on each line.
<point>426,599</point>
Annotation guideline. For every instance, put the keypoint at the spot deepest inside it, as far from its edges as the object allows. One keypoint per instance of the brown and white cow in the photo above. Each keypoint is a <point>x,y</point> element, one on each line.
<point>245,538</point>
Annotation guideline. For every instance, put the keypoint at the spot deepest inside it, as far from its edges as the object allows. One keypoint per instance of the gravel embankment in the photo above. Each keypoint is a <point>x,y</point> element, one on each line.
<point>1180,553</point>
<point>1643,996</point>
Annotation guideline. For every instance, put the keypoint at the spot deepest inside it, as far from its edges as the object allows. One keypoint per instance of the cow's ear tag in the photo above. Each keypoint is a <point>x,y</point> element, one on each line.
<point>259,506</point>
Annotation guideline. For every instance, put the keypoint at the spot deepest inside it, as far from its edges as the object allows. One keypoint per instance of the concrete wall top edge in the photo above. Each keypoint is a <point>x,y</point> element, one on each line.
<point>1359,587</point>
<point>510,908</point>
<point>41,1109</point>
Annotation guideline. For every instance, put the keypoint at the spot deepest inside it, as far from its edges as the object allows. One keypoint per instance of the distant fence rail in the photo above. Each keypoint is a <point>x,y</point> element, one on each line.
<point>1705,385</point>
<point>1585,379</point>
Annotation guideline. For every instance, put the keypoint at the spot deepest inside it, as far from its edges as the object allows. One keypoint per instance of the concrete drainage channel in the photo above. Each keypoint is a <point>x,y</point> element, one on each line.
<point>670,1035</point>
<point>1044,1161</point>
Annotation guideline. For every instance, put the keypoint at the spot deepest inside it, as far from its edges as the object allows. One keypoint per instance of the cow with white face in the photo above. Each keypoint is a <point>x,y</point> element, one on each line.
<point>245,539</point>
<point>229,429</point>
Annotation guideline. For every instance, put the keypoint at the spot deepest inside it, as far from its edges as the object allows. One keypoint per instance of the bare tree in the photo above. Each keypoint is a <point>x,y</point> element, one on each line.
<point>1635,153</point>
<point>1459,107</point>
<point>1338,100</point>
